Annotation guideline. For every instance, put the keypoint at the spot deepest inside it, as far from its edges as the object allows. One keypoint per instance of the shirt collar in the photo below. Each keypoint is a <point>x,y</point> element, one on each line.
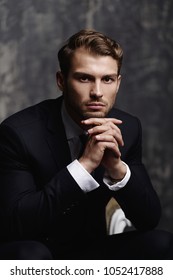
<point>71,128</point>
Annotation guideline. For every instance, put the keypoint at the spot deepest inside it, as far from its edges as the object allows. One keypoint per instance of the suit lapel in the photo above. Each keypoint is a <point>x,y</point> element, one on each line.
<point>56,136</point>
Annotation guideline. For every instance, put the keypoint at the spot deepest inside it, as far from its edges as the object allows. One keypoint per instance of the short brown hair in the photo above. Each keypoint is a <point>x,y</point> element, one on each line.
<point>95,42</point>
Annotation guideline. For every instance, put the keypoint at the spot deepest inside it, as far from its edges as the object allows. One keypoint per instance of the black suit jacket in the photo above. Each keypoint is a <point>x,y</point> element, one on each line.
<point>40,199</point>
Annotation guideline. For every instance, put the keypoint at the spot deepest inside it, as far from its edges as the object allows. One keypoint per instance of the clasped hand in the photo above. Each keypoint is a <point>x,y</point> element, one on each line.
<point>102,146</point>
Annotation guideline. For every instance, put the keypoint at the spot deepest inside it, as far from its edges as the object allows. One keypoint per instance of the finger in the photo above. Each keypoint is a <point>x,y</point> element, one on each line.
<point>106,130</point>
<point>117,136</point>
<point>105,138</point>
<point>100,121</point>
<point>106,142</point>
<point>109,127</point>
<point>110,139</point>
<point>98,129</point>
<point>110,146</point>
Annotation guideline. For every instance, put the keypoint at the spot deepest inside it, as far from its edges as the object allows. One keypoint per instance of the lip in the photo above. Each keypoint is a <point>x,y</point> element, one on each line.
<point>95,105</point>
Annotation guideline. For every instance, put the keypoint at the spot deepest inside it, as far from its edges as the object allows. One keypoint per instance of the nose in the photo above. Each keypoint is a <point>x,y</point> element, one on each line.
<point>96,91</point>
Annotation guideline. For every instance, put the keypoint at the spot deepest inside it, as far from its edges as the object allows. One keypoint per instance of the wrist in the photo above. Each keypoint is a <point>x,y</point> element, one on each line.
<point>86,164</point>
<point>117,173</point>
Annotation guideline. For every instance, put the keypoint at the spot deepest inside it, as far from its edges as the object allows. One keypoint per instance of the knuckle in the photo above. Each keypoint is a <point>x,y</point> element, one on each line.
<point>94,138</point>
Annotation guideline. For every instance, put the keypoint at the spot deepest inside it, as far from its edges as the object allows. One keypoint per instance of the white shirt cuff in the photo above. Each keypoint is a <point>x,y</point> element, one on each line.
<point>120,184</point>
<point>84,180</point>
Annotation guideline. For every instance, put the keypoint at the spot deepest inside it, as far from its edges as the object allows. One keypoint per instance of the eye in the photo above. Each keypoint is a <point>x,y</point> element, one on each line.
<point>84,79</point>
<point>108,79</point>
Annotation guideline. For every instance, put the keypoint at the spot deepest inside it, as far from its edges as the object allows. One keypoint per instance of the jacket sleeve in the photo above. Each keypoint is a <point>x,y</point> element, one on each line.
<point>26,210</point>
<point>138,199</point>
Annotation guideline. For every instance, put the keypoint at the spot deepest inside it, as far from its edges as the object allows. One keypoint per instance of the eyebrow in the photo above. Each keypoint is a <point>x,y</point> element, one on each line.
<point>77,74</point>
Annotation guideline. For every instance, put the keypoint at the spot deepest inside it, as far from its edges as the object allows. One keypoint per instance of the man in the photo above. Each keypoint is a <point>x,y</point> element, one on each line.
<point>54,189</point>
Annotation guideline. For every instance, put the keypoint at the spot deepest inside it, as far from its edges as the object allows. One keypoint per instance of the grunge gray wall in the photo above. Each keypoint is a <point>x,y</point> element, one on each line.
<point>31,31</point>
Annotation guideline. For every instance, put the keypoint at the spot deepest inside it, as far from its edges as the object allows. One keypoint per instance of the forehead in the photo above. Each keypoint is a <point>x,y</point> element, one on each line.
<point>84,61</point>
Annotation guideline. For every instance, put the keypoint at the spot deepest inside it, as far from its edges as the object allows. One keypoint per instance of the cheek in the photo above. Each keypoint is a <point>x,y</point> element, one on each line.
<point>110,95</point>
<point>80,92</point>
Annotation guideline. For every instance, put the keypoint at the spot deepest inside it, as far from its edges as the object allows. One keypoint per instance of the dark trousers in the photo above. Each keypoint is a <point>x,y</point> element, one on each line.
<point>150,245</point>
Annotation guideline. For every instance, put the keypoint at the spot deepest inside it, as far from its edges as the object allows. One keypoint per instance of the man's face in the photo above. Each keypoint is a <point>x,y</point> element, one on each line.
<point>91,86</point>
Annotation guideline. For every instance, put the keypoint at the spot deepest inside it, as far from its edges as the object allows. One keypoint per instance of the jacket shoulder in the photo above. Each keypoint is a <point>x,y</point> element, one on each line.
<point>33,114</point>
<point>124,116</point>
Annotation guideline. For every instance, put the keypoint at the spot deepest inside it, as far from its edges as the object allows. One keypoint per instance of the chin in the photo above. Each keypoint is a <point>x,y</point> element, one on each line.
<point>89,115</point>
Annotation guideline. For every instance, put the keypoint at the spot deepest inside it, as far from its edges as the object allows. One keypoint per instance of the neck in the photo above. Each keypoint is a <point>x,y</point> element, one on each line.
<point>76,119</point>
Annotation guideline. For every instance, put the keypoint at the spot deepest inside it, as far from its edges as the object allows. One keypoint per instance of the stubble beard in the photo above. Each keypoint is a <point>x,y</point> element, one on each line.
<point>89,115</point>
<point>95,114</point>
<point>79,113</point>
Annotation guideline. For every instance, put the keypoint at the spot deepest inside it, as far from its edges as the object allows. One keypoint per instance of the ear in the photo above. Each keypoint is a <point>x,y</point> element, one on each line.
<point>60,80</point>
<point>118,83</point>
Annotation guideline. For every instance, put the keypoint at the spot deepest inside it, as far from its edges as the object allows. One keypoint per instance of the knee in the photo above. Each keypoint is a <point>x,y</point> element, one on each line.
<point>166,241</point>
<point>162,243</point>
<point>24,250</point>
<point>33,250</point>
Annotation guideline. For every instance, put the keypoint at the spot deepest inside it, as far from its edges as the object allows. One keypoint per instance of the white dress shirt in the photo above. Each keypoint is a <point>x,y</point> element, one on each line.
<point>84,180</point>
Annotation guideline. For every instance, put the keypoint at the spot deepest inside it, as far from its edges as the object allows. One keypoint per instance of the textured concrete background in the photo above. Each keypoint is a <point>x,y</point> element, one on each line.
<point>31,31</point>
